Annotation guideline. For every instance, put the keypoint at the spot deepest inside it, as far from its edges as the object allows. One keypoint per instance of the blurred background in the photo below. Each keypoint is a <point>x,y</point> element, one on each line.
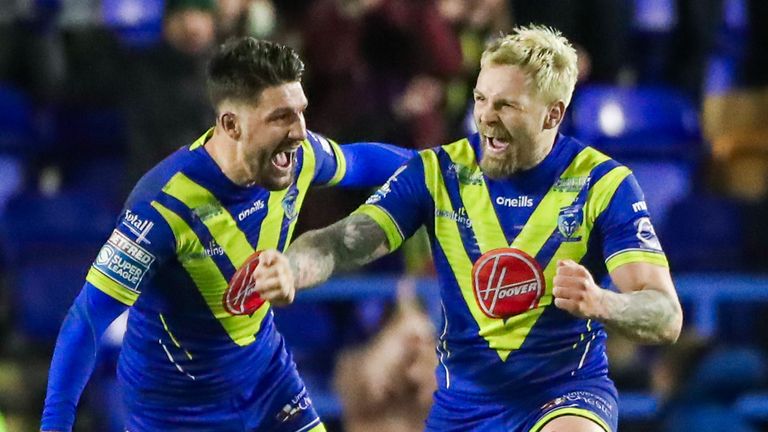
<point>95,92</point>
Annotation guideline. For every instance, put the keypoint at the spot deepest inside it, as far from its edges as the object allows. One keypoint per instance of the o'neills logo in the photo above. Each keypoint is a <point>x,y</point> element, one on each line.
<point>507,282</point>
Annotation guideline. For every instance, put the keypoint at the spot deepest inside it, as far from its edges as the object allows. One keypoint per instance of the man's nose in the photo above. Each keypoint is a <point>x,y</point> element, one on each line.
<point>298,129</point>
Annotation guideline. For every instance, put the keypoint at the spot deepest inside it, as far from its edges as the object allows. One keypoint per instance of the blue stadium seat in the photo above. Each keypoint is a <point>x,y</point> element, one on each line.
<point>136,23</point>
<point>704,233</point>
<point>646,122</point>
<point>17,131</point>
<point>663,182</point>
<point>12,175</point>
<point>48,244</point>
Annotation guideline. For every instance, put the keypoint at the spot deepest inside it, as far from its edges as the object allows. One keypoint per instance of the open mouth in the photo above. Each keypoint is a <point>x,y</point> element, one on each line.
<point>495,144</point>
<point>283,160</point>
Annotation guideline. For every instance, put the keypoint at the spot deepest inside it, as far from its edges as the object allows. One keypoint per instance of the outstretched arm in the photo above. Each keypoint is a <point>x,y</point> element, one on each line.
<point>349,243</point>
<point>370,164</point>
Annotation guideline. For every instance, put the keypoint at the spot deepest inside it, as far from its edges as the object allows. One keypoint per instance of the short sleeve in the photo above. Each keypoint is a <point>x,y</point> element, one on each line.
<point>139,244</point>
<point>330,165</point>
<point>626,228</point>
<point>400,205</point>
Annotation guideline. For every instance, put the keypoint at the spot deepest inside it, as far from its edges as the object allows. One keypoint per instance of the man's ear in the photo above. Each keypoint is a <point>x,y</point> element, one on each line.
<point>230,123</point>
<point>554,115</point>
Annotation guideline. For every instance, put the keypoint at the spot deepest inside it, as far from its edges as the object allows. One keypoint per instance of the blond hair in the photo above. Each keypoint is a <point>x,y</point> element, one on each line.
<point>544,54</point>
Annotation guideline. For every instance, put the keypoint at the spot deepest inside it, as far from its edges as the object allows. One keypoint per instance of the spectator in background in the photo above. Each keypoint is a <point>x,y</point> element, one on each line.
<point>387,385</point>
<point>166,101</point>
<point>392,56</point>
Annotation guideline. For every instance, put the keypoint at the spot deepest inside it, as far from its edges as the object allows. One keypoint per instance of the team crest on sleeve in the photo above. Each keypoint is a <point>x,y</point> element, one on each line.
<point>569,220</point>
<point>507,282</point>
<point>386,188</point>
<point>124,261</point>
<point>647,234</point>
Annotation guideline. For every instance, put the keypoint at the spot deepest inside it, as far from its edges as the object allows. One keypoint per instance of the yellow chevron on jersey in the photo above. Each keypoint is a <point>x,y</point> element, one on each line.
<point>506,335</point>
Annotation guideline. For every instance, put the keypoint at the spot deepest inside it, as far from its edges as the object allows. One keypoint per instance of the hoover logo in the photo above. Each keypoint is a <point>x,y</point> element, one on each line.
<point>507,282</point>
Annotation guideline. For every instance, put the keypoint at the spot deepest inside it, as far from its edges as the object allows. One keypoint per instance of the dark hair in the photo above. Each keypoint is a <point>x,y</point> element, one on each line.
<point>243,67</point>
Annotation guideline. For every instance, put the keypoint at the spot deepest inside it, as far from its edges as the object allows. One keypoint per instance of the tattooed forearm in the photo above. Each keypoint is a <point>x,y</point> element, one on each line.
<point>646,316</point>
<point>350,243</point>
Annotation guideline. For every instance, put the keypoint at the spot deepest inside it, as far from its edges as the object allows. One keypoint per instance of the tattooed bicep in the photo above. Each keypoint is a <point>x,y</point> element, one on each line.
<point>363,238</point>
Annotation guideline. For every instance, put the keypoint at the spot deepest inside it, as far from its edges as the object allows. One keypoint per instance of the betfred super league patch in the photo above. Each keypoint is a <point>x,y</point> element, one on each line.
<point>124,261</point>
<point>507,282</point>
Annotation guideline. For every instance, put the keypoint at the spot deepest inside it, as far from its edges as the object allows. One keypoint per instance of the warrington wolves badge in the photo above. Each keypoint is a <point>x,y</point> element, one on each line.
<point>569,221</point>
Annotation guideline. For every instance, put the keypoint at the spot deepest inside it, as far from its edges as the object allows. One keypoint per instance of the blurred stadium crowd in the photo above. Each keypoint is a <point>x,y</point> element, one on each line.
<point>95,92</point>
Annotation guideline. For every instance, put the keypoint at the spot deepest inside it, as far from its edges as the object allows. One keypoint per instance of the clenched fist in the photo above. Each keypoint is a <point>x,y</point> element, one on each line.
<point>273,278</point>
<point>576,292</point>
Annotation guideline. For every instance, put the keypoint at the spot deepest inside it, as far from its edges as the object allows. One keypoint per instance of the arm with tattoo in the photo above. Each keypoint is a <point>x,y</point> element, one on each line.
<point>646,316</point>
<point>646,309</point>
<point>350,243</point>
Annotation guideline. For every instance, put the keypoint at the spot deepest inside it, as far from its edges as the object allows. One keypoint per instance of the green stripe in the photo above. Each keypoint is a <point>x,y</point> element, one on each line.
<point>210,283</point>
<point>631,256</point>
<point>302,184</point>
<point>341,164</point>
<point>217,219</point>
<point>385,222</point>
<point>570,411</point>
<point>111,288</point>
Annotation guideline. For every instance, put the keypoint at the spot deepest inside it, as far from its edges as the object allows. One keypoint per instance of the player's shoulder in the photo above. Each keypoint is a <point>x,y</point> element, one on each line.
<point>586,154</point>
<point>152,183</point>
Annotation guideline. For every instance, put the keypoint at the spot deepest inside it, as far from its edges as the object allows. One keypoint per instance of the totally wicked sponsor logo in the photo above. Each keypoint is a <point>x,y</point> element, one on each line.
<point>507,282</point>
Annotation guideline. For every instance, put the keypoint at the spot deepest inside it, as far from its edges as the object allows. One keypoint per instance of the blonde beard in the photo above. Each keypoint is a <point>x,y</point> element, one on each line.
<point>512,162</point>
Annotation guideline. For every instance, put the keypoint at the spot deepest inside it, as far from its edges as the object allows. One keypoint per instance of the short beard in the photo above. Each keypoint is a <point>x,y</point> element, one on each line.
<point>498,168</point>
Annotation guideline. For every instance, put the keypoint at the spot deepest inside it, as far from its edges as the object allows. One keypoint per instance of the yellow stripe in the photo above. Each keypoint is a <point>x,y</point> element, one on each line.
<point>220,223</point>
<point>269,235</point>
<point>111,288</point>
<point>302,184</point>
<point>384,219</point>
<point>209,280</point>
<point>534,235</point>
<point>318,428</point>
<point>631,256</point>
<point>449,238</point>
<point>570,411</point>
<point>477,199</point>
<point>502,336</point>
<point>602,192</point>
<point>341,164</point>
<point>202,140</point>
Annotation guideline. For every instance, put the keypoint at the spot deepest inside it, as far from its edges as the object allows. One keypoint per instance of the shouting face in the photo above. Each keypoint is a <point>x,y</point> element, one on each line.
<point>268,135</point>
<point>512,120</point>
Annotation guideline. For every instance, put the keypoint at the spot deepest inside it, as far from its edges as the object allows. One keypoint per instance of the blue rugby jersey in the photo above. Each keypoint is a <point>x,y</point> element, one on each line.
<point>577,203</point>
<point>184,231</point>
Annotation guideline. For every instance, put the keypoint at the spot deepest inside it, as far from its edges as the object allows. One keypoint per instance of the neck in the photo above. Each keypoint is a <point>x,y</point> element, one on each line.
<point>223,151</point>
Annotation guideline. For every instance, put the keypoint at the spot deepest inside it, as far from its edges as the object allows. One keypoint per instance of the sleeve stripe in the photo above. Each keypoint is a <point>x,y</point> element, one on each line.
<point>385,221</point>
<point>341,164</point>
<point>111,288</point>
<point>635,255</point>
